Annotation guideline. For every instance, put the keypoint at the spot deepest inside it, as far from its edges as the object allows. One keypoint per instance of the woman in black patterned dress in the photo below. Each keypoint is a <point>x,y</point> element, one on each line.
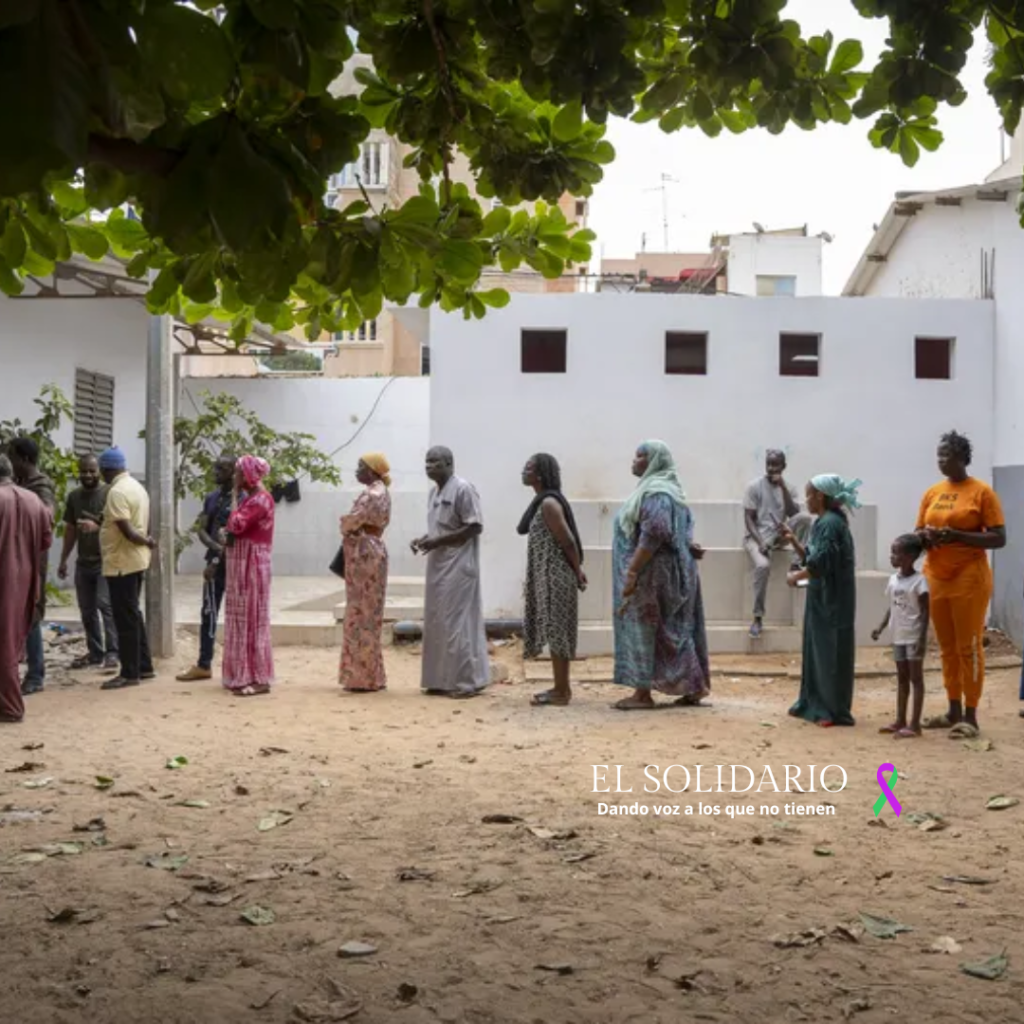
<point>554,575</point>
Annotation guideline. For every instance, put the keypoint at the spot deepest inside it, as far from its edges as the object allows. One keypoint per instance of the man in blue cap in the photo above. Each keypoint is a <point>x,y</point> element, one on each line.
<point>126,548</point>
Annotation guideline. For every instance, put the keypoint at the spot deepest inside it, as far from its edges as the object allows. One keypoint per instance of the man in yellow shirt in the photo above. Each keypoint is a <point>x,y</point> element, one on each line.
<point>127,549</point>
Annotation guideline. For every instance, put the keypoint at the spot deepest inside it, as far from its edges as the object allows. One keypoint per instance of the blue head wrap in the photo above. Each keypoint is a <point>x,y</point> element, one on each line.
<point>842,492</point>
<point>113,458</point>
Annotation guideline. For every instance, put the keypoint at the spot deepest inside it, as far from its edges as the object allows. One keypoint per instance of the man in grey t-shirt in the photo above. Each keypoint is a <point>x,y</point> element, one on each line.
<point>768,503</point>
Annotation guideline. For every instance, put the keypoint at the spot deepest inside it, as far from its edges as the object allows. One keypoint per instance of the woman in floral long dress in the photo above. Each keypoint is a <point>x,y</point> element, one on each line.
<point>366,578</point>
<point>248,665</point>
<point>660,638</point>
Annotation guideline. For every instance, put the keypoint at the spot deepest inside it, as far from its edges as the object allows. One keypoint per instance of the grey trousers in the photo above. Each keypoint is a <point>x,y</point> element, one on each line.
<point>800,524</point>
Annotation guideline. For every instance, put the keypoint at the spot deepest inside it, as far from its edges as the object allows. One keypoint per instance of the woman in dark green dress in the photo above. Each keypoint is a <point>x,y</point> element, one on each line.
<point>826,677</point>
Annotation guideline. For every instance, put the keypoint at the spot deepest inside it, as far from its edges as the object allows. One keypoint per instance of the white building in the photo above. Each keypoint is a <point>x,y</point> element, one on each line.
<point>967,243</point>
<point>720,379</point>
<point>775,264</point>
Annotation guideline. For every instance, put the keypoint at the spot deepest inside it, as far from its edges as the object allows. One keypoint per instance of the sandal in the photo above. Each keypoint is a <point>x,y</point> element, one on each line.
<point>906,733</point>
<point>963,731</point>
<point>85,661</point>
<point>691,700</point>
<point>893,728</point>
<point>253,690</point>
<point>549,698</point>
<point>632,704</point>
<point>938,722</point>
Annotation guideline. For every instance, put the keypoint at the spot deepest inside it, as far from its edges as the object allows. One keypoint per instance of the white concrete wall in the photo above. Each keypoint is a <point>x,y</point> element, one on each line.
<point>939,254</point>
<point>865,416</point>
<point>43,341</point>
<point>776,256</point>
<point>391,415</point>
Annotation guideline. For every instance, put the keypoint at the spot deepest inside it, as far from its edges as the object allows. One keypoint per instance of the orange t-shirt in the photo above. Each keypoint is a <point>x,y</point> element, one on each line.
<point>970,506</point>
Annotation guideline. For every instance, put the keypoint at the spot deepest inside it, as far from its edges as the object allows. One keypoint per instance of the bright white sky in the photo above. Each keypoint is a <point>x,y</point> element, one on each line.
<point>831,179</point>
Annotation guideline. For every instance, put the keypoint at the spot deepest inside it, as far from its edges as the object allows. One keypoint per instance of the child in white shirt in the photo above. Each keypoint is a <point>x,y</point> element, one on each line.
<point>908,614</point>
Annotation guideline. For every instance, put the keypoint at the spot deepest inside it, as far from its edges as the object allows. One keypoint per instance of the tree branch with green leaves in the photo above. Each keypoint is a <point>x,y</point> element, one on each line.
<point>219,123</point>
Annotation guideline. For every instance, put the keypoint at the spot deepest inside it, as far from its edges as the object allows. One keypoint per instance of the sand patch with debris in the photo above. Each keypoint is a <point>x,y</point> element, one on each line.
<point>316,856</point>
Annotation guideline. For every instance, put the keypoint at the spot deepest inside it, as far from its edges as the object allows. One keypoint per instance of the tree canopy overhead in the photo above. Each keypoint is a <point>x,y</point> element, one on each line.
<point>217,123</point>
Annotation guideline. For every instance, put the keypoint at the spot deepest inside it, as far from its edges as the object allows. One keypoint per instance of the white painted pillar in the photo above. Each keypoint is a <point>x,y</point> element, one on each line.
<point>160,481</point>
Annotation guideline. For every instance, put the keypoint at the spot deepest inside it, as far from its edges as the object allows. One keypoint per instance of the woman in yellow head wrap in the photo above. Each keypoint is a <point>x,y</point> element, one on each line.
<point>366,577</point>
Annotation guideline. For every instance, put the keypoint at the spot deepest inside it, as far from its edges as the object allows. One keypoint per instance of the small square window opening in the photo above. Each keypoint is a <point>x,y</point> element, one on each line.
<point>686,353</point>
<point>544,351</point>
<point>933,358</point>
<point>799,355</point>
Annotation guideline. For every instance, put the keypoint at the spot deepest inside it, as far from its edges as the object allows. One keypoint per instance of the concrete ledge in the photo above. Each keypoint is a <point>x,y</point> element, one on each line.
<point>717,524</point>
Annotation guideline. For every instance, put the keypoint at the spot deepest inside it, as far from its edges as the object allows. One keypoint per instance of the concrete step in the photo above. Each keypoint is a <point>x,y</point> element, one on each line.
<point>727,588</point>
<point>596,639</point>
<point>398,587</point>
<point>396,609</point>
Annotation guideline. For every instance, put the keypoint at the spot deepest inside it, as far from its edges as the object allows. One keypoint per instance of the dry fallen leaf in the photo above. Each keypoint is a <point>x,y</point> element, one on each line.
<point>273,820</point>
<point>1001,803</point>
<point>991,969</point>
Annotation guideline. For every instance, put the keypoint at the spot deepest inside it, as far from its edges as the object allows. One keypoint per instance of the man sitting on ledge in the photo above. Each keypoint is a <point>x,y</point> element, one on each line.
<point>770,502</point>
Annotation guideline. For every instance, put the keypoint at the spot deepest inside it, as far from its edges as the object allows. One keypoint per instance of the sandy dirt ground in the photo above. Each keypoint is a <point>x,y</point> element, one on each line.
<point>125,904</point>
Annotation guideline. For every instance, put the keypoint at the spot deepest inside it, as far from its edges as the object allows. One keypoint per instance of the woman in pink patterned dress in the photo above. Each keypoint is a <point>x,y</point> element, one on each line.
<point>248,664</point>
<point>366,578</point>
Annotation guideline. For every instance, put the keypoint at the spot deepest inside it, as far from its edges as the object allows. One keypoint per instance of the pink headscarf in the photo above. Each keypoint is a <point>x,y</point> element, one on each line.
<point>253,470</point>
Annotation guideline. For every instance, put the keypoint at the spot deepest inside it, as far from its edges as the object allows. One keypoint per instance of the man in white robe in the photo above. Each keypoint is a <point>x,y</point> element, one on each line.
<point>455,661</point>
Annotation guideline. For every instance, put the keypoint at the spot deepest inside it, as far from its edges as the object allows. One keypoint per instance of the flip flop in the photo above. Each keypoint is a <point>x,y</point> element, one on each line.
<point>963,731</point>
<point>251,691</point>
<point>548,699</point>
<point>893,728</point>
<point>906,734</point>
<point>938,722</point>
<point>629,704</point>
<point>690,701</point>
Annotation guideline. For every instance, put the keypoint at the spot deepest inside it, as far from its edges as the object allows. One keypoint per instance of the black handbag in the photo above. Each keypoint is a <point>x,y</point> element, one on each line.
<point>337,565</point>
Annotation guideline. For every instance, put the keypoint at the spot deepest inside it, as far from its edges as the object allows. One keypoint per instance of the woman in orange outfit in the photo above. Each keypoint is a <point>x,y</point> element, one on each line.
<point>960,521</point>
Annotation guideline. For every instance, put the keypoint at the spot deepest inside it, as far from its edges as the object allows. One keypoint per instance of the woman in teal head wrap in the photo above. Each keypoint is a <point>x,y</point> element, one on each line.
<point>660,641</point>
<point>826,676</point>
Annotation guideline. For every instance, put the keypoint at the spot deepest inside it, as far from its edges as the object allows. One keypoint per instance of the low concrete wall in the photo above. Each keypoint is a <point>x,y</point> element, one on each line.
<point>1008,595</point>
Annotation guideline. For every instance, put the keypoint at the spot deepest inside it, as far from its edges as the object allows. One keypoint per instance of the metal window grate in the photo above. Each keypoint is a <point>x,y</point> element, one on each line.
<point>94,412</point>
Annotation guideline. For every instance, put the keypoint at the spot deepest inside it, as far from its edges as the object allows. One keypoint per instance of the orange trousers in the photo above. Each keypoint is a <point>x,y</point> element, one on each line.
<point>958,610</point>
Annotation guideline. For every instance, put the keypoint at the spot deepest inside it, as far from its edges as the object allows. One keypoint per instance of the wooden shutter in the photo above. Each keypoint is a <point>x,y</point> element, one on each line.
<point>94,412</point>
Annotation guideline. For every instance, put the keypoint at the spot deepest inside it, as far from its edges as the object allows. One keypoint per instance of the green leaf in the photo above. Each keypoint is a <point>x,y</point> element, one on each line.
<point>242,183</point>
<point>72,201</point>
<point>13,244</point>
<point>10,283</point>
<point>849,53</point>
<point>186,51</point>
<point>126,236</point>
<point>462,261</point>
<point>88,240</point>
<point>496,298</point>
<point>909,150</point>
<point>568,122</point>
<point>496,221</point>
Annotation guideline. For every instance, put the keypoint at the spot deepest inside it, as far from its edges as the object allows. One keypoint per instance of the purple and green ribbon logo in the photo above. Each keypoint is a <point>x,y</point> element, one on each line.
<point>885,785</point>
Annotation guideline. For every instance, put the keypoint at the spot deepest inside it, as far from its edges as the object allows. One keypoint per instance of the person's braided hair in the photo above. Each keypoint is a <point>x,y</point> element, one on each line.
<point>911,544</point>
<point>959,446</point>
<point>548,471</point>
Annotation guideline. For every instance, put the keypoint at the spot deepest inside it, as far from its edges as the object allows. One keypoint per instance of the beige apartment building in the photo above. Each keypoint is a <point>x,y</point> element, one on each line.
<point>388,346</point>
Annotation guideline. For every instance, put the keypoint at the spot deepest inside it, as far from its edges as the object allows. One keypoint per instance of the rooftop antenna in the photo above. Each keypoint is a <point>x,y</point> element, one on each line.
<point>666,180</point>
